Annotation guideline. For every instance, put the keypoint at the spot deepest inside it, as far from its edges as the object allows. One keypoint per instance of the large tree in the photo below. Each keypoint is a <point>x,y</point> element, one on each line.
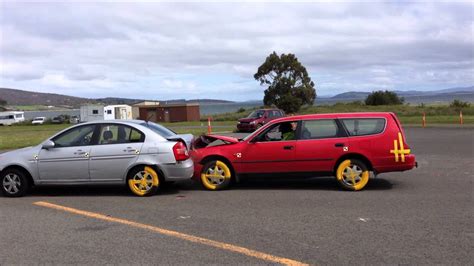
<point>289,86</point>
<point>384,98</point>
<point>2,102</point>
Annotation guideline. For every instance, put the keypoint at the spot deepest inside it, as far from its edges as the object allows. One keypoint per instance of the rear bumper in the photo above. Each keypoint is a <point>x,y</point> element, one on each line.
<point>178,171</point>
<point>410,163</point>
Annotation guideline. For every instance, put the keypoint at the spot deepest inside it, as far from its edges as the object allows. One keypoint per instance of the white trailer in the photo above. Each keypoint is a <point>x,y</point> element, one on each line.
<point>122,111</point>
<point>92,113</point>
<point>12,117</point>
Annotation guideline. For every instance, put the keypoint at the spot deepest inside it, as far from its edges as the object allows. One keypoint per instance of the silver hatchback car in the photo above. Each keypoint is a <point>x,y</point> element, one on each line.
<point>137,153</point>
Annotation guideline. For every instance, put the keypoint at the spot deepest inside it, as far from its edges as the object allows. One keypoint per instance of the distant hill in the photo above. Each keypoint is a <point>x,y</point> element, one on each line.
<point>413,96</point>
<point>351,95</point>
<point>21,97</point>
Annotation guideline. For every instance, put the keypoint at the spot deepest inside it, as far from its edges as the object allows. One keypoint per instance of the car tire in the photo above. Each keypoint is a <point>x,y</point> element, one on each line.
<point>216,175</point>
<point>14,183</point>
<point>143,181</point>
<point>352,174</point>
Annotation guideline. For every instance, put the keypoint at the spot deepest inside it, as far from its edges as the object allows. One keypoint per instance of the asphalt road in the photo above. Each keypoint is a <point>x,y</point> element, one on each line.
<point>423,216</point>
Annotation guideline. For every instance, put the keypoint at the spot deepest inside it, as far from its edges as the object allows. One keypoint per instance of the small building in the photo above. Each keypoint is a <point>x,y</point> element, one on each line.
<point>109,112</point>
<point>175,112</point>
<point>92,113</point>
<point>121,111</point>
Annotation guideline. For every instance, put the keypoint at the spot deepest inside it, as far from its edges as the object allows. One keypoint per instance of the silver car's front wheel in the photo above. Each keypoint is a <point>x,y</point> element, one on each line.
<point>14,183</point>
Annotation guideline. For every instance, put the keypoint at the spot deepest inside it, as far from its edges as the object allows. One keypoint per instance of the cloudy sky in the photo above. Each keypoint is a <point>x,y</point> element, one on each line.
<point>211,50</point>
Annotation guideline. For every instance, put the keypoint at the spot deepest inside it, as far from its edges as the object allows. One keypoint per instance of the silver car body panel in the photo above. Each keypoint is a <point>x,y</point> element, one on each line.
<point>101,163</point>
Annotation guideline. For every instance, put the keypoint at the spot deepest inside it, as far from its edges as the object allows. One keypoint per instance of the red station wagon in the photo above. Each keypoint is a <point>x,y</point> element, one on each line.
<point>347,146</point>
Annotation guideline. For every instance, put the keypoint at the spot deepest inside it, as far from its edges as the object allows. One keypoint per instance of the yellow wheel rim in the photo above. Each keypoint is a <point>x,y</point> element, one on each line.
<point>215,175</point>
<point>352,175</point>
<point>144,181</point>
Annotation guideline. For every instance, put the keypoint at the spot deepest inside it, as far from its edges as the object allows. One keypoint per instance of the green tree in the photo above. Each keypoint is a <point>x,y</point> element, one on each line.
<point>458,104</point>
<point>289,86</point>
<point>384,98</point>
<point>3,102</point>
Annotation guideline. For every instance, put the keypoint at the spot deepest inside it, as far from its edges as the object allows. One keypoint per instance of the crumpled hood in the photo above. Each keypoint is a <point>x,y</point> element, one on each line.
<point>223,138</point>
<point>208,140</point>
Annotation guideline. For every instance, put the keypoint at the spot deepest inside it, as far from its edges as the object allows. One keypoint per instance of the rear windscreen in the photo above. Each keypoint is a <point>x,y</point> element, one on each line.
<point>364,126</point>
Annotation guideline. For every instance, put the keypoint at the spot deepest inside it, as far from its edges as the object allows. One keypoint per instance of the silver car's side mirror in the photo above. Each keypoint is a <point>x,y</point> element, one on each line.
<point>49,144</point>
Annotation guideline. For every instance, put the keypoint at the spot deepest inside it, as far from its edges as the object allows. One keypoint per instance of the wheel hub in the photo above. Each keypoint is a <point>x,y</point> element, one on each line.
<point>352,175</point>
<point>215,175</point>
<point>11,183</point>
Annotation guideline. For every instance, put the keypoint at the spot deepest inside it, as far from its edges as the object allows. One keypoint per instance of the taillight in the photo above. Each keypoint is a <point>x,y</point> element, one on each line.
<point>180,151</point>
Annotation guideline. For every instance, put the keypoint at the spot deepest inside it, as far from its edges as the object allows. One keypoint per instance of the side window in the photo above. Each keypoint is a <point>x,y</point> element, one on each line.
<point>117,134</point>
<point>275,114</point>
<point>364,126</point>
<point>136,136</point>
<point>270,114</point>
<point>279,132</point>
<point>318,129</point>
<point>78,136</point>
<point>109,112</point>
<point>95,112</point>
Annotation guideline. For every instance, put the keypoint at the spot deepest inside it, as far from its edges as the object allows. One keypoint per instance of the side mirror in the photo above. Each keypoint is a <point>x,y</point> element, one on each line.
<point>49,144</point>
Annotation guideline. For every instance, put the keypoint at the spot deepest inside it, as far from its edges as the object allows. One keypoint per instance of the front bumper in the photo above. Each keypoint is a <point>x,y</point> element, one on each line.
<point>246,127</point>
<point>178,171</point>
<point>197,171</point>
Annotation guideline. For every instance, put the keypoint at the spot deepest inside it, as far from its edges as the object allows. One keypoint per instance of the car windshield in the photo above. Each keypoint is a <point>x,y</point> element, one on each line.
<point>38,119</point>
<point>256,114</point>
<point>160,130</point>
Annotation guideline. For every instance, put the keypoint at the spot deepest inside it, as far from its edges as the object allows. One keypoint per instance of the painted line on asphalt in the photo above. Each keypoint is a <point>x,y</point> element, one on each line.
<point>191,238</point>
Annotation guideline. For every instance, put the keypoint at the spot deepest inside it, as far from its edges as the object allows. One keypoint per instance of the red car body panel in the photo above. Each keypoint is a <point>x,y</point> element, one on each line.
<point>386,151</point>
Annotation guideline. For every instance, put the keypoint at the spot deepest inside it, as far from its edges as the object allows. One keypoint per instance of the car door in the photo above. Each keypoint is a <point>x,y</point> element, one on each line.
<point>68,161</point>
<point>321,143</point>
<point>270,152</point>
<point>117,149</point>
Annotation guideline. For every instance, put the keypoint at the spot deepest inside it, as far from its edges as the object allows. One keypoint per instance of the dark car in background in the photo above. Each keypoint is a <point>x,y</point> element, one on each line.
<point>58,119</point>
<point>258,118</point>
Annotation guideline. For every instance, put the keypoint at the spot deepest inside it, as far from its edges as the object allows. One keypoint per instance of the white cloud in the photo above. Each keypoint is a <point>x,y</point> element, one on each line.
<point>183,50</point>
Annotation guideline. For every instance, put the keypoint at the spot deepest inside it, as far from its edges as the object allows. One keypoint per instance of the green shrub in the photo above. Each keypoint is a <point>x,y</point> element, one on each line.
<point>384,98</point>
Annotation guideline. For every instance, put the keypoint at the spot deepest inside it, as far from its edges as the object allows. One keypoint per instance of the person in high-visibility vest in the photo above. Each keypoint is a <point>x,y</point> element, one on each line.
<point>288,131</point>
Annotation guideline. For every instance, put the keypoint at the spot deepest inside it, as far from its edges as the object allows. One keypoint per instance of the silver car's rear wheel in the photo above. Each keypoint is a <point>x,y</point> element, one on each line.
<point>143,181</point>
<point>14,183</point>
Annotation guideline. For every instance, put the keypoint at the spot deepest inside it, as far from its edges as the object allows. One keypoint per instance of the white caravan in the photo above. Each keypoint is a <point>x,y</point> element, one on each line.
<point>9,118</point>
<point>112,112</point>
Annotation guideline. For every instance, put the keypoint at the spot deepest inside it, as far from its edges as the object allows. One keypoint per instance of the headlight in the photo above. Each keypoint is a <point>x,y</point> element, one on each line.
<point>238,122</point>
<point>253,122</point>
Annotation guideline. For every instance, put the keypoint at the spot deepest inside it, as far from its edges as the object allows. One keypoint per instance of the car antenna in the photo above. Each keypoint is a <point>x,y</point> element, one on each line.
<point>148,118</point>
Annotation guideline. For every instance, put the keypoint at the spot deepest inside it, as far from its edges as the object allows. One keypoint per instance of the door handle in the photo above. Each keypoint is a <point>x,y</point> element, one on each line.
<point>129,149</point>
<point>288,147</point>
<point>80,152</point>
<point>339,145</point>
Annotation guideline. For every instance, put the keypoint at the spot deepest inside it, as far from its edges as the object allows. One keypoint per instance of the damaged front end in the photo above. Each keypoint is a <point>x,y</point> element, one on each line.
<point>204,141</point>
